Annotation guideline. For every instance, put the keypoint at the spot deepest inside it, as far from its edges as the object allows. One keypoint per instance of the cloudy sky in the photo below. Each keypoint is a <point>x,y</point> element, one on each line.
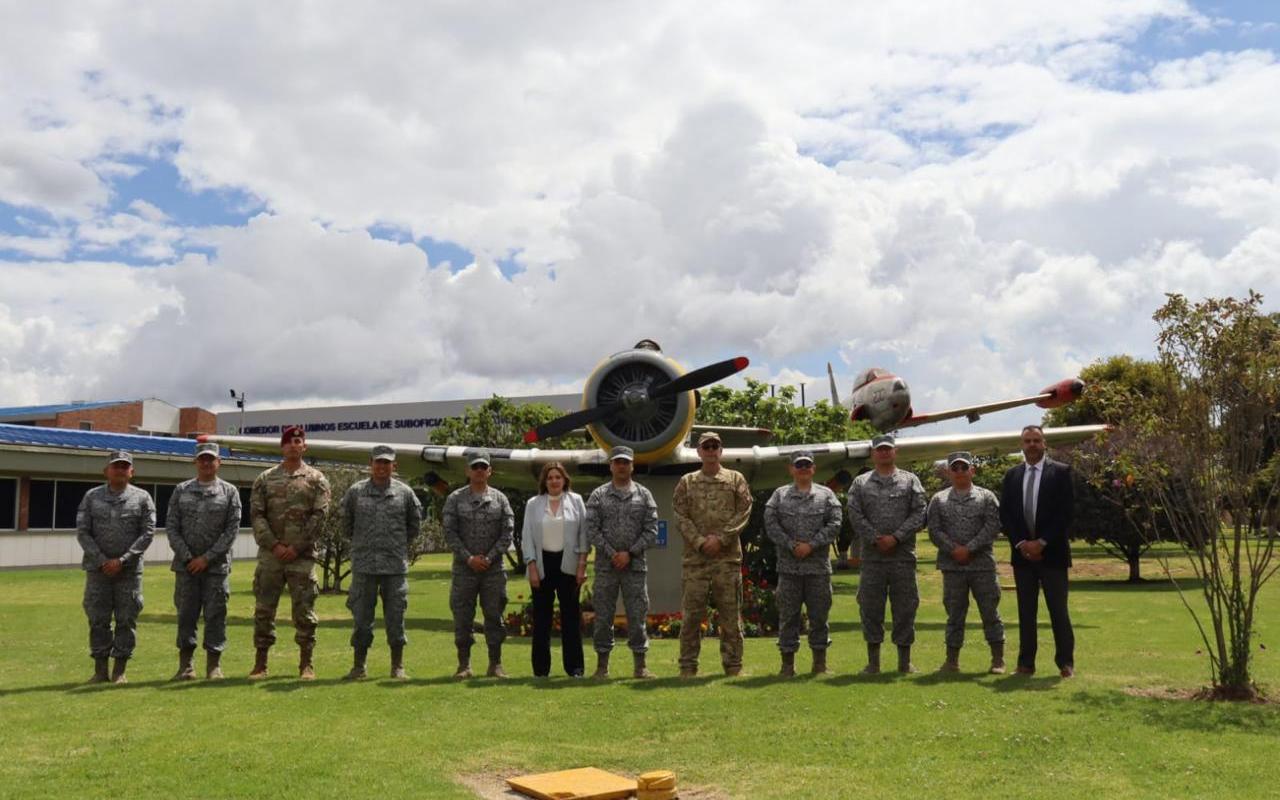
<point>336,202</point>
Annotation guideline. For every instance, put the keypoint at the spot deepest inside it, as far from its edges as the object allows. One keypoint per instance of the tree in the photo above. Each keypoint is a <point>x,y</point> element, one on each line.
<point>1210,466</point>
<point>790,424</point>
<point>500,423</point>
<point>1109,511</point>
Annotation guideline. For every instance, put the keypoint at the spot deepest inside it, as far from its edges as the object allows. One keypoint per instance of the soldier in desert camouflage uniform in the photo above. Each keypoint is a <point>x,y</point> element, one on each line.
<point>201,526</point>
<point>622,522</point>
<point>381,516</point>
<point>886,510</point>
<point>114,525</point>
<point>478,526</point>
<point>287,508</point>
<point>712,506</point>
<point>964,521</point>
<point>802,520</point>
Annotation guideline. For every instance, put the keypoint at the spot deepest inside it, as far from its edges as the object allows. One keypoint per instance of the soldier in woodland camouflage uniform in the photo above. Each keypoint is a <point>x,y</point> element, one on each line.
<point>886,510</point>
<point>964,520</point>
<point>381,516</point>
<point>201,526</point>
<point>287,508</point>
<point>712,506</point>
<point>622,522</point>
<point>114,525</point>
<point>802,520</point>
<point>478,525</point>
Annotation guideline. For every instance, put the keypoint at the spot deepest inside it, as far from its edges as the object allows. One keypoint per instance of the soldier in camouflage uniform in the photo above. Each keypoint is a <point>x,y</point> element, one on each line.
<point>964,521</point>
<point>886,510</point>
<point>201,526</point>
<point>287,508</point>
<point>622,523</point>
<point>381,516</point>
<point>114,525</point>
<point>478,526</point>
<point>712,506</point>
<point>803,521</point>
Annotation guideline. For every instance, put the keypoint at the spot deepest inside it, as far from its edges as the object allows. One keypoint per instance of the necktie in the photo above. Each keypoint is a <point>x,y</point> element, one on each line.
<point>1029,500</point>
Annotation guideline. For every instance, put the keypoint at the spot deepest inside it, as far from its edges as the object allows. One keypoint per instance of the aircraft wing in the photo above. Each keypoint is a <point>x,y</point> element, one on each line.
<point>839,462</point>
<point>438,466</point>
<point>1053,396</point>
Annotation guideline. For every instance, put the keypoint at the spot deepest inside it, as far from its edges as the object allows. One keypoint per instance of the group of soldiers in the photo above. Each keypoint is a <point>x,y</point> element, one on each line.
<point>886,506</point>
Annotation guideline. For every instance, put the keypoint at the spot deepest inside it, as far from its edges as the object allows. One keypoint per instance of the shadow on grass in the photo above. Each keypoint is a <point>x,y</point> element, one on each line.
<point>1202,716</point>
<point>673,681</point>
<point>1023,683</point>
<point>1147,585</point>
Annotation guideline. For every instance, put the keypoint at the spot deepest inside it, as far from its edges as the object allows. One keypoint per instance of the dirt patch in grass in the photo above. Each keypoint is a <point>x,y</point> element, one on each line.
<point>493,786</point>
<point>1202,693</point>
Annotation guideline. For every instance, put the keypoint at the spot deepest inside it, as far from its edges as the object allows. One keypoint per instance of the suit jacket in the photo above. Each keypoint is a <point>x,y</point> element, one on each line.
<point>1054,508</point>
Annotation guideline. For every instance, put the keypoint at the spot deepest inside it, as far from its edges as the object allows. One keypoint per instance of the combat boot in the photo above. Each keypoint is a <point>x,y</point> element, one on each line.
<point>117,671</point>
<point>397,663</point>
<point>997,658</point>
<point>306,672</point>
<point>358,666</point>
<point>873,660</point>
<point>260,664</point>
<point>788,665</point>
<point>495,663</point>
<point>952,664</point>
<point>688,673</point>
<point>602,667</point>
<point>213,666</point>
<point>99,670</point>
<point>641,670</point>
<point>819,662</point>
<point>185,672</point>
<point>464,663</point>
<point>904,660</point>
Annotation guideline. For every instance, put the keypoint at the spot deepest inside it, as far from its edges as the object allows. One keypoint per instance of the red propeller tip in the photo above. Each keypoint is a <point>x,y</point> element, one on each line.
<point>530,437</point>
<point>740,363</point>
<point>202,438</point>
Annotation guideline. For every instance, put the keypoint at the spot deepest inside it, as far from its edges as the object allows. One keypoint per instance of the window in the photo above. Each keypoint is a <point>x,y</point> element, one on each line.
<point>40,505</point>
<point>8,503</point>
<point>67,501</point>
<point>85,425</point>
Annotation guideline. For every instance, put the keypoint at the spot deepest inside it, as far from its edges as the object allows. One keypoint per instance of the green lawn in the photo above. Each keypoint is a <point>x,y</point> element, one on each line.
<point>752,737</point>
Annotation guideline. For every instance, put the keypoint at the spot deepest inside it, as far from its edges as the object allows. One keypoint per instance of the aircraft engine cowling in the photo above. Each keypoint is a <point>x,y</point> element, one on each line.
<point>654,428</point>
<point>1064,391</point>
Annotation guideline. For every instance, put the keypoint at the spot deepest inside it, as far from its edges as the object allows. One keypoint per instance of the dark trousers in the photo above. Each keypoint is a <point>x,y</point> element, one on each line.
<point>1029,580</point>
<point>556,584</point>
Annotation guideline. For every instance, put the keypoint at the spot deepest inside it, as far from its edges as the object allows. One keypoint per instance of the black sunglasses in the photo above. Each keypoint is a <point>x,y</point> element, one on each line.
<point>960,466</point>
<point>709,446</point>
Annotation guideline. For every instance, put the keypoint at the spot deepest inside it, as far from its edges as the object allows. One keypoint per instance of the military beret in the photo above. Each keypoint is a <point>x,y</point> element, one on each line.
<point>292,431</point>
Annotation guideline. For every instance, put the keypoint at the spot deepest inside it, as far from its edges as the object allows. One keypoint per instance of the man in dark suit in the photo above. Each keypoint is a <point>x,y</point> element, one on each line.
<point>1036,503</point>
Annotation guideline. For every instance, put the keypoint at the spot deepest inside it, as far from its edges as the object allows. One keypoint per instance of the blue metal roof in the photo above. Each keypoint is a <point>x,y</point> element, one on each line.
<point>97,440</point>
<point>31,411</point>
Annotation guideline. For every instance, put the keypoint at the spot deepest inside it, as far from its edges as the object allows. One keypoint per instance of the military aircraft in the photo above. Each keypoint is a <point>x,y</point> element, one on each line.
<point>884,400</point>
<point>643,399</point>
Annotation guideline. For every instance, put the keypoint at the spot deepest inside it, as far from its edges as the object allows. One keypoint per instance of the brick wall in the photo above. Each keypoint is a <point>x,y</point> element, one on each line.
<point>124,418</point>
<point>194,419</point>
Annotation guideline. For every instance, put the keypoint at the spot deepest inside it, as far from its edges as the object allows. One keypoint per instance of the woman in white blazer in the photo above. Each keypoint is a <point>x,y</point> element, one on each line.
<point>554,541</point>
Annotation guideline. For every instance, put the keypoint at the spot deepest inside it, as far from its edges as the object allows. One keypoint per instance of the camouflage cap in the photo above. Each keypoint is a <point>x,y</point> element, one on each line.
<point>292,431</point>
<point>622,452</point>
<point>802,456</point>
<point>384,452</point>
<point>959,456</point>
<point>208,449</point>
<point>119,455</point>
<point>884,440</point>
<point>708,436</point>
<point>481,457</point>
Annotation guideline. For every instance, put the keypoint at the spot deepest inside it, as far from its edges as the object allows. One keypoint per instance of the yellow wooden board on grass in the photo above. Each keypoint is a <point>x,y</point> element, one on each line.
<point>585,783</point>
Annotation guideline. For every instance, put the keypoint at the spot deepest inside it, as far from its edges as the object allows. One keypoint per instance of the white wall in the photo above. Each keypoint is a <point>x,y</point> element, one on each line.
<point>60,548</point>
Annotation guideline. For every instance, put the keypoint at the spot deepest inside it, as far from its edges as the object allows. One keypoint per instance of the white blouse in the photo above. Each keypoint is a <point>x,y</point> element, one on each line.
<point>553,531</point>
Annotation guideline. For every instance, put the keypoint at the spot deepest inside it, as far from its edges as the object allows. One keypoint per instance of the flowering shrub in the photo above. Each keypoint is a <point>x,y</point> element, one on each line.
<point>759,616</point>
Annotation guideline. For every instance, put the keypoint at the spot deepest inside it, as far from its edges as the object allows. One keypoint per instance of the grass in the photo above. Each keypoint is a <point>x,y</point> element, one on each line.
<point>1110,732</point>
